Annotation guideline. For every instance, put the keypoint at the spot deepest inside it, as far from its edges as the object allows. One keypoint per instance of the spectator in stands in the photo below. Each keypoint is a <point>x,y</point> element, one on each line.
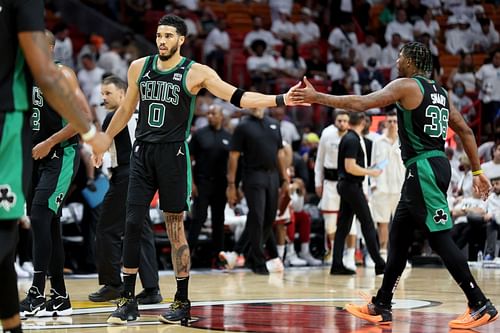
<point>465,183</point>
<point>344,38</point>
<point>345,78</point>
<point>277,6</point>
<point>361,12</point>
<point>306,29</point>
<point>113,62</point>
<point>134,13</point>
<point>90,75</point>
<point>369,49</point>
<point>453,7</point>
<point>94,47</point>
<point>388,13</point>
<point>458,36</point>
<point>192,5</point>
<point>465,73</point>
<point>487,39</point>
<point>370,77</point>
<point>492,219</point>
<point>433,5</point>
<point>290,64</point>
<point>63,50</point>
<point>465,9</point>
<point>216,46</point>
<point>282,28</point>
<point>415,11</point>
<point>462,102</point>
<point>316,66</point>
<point>425,39</point>
<point>427,24</point>
<point>258,32</point>
<point>289,132</point>
<point>401,26</point>
<point>479,14</point>
<point>488,79</point>
<point>262,67</point>
<point>492,168</point>
<point>390,55</point>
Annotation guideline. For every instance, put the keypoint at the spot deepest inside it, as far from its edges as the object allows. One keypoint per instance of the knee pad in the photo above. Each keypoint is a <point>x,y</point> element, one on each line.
<point>330,223</point>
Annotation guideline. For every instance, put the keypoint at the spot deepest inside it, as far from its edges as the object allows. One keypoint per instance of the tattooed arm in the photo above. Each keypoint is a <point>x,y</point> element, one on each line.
<point>396,91</point>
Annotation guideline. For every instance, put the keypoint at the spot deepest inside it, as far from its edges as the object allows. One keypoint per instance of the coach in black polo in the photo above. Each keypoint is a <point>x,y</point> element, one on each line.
<point>257,139</point>
<point>352,169</point>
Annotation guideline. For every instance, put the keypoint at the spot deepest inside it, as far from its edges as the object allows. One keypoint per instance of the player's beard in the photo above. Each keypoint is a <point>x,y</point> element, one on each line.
<point>169,55</point>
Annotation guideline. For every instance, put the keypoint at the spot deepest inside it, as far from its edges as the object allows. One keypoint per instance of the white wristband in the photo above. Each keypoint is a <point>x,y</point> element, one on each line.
<point>90,134</point>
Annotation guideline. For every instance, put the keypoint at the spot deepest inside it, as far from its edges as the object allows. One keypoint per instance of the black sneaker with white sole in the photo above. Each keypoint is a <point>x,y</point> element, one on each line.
<point>179,312</point>
<point>33,303</point>
<point>149,296</point>
<point>126,311</point>
<point>57,306</point>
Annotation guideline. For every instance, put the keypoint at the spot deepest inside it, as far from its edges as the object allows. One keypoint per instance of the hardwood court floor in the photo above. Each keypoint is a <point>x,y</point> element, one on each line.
<point>300,300</point>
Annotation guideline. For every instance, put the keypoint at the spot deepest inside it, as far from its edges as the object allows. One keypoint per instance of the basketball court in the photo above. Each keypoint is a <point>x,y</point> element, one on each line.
<point>299,300</point>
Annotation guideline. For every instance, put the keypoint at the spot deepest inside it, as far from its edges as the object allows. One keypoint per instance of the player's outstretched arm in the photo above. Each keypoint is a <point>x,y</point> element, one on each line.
<point>390,94</point>
<point>203,76</point>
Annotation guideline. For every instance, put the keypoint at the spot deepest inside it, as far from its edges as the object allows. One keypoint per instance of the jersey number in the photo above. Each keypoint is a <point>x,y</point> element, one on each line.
<point>35,119</point>
<point>156,116</point>
<point>439,121</point>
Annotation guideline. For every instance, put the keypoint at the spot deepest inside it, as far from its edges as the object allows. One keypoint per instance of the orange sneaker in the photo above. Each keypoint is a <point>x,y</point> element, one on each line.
<point>371,312</point>
<point>483,314</point>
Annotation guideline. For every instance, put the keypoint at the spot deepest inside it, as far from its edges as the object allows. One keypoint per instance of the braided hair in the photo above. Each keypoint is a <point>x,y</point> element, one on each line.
<point>420,56</point>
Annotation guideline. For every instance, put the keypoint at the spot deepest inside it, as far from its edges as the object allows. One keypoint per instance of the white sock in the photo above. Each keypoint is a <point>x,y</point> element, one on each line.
<point>281,251</point>
<point>290,249</point>
<point>350,253</point>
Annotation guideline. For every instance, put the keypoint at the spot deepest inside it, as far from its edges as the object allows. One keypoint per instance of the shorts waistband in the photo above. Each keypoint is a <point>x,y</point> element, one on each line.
<point>424,156</point>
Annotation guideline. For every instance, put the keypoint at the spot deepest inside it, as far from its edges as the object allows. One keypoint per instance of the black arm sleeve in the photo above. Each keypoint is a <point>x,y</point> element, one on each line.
<point>29,15</point>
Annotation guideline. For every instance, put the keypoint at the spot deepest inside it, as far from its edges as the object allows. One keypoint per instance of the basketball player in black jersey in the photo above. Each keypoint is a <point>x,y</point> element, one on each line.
<point>25,56</point>
<point>56,160</point>
<point>424,113</point>
<point>166,85</point>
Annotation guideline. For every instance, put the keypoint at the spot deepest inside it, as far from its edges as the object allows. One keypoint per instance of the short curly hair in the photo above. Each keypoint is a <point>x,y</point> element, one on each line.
<point>176,22</point>
<point>420,56</point>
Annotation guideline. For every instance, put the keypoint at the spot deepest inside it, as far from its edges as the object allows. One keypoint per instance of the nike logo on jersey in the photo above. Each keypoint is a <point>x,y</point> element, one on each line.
<point>180,152</point>
<point>146,75</point>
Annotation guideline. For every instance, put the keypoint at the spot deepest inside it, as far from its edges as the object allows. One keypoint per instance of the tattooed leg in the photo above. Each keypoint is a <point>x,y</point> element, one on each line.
<point>181,258</point>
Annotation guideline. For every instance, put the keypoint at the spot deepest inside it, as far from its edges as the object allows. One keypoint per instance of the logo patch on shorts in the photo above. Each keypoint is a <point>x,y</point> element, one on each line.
<point>59,199</point>
<point>7,197</point>
<point>440,217</point>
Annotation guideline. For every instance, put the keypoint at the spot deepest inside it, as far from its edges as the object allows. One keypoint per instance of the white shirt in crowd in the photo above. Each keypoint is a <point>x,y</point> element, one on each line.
<point>264,35</point>
<point>469,203</point>
<point>63,52</point>
<point>391,179</point>
<point>458,40</point>
<point>493,206</point>
<point>280,27</point>
<point>89,79</point>
<point>343,41</point>
<point>216,38</point>
<point>111,62</point>
<point>307,32</point>
<point>263,64</point>
<point>365,52</point>
<point>491,169</point>
<point>490,78</point>
<point>327,154</point>
<point>432,28</point>
<point>405,30</point>
<point>289,132</point>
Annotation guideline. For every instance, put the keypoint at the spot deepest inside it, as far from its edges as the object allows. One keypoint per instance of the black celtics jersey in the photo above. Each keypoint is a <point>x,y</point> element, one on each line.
<point>15,77</point>
<point>166,107</point>
<point>45,121</point>
<point>424,128</point>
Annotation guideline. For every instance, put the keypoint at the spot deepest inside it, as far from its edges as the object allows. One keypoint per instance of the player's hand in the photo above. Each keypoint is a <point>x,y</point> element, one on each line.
<point>303,96</point>
<point>481,185</point>
<point>232,195</point>
<point>288,96</point>
<point>374,172</point>
<point>100,143</point>
<point>319,191</point>
<point>96,159</point>
<point>41,150</point>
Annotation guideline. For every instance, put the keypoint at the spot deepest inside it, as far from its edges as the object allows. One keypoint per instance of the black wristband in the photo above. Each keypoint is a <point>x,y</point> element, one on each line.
<point>280,100</point>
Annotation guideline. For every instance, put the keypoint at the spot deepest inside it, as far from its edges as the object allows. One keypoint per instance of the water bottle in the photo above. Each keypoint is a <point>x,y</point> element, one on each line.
<point>480,259</point>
